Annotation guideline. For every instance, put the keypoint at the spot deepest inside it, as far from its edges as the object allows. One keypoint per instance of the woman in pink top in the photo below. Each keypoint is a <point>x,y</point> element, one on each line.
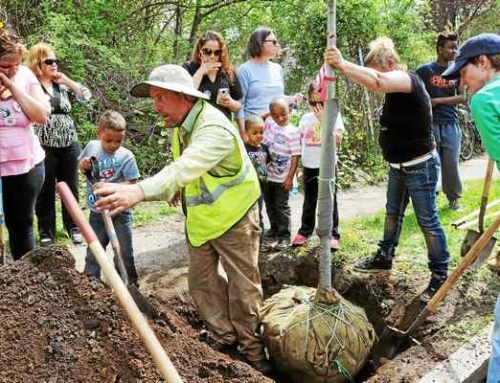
<point>21,156</point>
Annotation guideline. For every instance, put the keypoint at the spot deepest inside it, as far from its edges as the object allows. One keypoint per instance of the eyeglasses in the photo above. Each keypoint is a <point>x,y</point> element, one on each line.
<point>51,61</point>
<point>209,52</point>
<point>274,42</point>
<point>315,104</point>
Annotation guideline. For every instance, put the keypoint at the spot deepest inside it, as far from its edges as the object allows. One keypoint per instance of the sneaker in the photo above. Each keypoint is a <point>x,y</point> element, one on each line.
<point>76,237</point>
<point>283,244</point>
<point>435,283</point>
<point>299,240</point>
<point>453,204</point>
<point>494,263</point>
<point>267,244</point>
<point>381,261</point>
<point>334,244</point>
<point>263,366</point>
<point>216,344</point>
<point>46,241</point>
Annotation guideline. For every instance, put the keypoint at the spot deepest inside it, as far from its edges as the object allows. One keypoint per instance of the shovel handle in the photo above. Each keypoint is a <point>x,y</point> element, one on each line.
<point>115,244</point>
<point>147,335</point>
<point>462,266</point>
<point>486,193</point>
<point>459,223</point>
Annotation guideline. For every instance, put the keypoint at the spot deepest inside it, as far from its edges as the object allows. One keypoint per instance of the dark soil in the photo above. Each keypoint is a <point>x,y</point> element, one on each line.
<point>58,325</point>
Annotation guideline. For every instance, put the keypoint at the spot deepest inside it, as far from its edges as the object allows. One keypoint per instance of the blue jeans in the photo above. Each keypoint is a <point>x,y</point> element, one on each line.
<point>123,228</point>
<point>494,364</point>
<point>418,183</point>
<point>19,197</point>
<point>448,143</point>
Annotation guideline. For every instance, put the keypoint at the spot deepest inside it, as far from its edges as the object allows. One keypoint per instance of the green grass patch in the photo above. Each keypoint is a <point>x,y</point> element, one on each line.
<point>360,236</point>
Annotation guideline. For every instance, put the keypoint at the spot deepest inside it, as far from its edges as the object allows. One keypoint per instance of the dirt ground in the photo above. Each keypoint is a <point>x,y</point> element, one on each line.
<point>62,326</point>
<point>387,298</point>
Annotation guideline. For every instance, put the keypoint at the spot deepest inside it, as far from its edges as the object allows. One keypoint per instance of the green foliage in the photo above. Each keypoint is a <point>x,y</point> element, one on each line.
<point>109,45</point>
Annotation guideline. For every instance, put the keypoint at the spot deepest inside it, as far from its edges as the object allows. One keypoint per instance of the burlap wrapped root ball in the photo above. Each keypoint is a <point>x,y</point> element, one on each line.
<point>316,342</point>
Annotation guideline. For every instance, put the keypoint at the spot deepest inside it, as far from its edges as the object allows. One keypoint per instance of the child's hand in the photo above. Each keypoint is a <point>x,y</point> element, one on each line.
<point>318,111</point>
<point>288,183</point>
<point>85,164</point>
<point>338,138</point>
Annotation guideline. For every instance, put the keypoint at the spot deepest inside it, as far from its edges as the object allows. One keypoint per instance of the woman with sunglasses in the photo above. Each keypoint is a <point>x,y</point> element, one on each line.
<point>213,73</point>
<point>21,156</point>
<point>59,140</point>
<point>261,79</point>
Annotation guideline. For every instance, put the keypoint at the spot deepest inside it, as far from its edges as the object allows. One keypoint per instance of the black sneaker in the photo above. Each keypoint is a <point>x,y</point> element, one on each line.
<point>76,236</point>
<point>46,241</point>
<point>373,265</point>
<point>267,244</point>
<point>263,366</point>
<point>434,284</point>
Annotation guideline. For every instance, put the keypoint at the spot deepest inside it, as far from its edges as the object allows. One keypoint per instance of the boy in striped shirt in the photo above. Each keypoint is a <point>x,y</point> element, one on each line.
<point>283,141</point>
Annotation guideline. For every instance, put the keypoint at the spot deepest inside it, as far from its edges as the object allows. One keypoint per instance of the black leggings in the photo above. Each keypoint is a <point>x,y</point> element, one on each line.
<point>61,164</point>
<point>19,196</point>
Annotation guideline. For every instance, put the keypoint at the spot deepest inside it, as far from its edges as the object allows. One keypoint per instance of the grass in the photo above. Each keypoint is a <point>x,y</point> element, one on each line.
<point>360,236</point>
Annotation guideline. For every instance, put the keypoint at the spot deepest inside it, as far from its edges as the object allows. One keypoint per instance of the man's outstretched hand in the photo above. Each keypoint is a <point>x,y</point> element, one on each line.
<point>118,197</point>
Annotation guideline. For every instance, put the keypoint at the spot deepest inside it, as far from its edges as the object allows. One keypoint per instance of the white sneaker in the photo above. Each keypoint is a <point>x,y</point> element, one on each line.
<point>77,237</point>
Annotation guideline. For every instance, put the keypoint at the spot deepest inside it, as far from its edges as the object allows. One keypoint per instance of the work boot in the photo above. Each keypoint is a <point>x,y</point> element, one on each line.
<point>214,343</point>
<point>380,262</point>
<point>263,366</point>
<point>435,283</point>
<point>494,263</point>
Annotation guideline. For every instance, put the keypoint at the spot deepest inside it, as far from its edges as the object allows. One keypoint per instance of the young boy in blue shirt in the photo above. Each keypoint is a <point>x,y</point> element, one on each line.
<point>116,164</point>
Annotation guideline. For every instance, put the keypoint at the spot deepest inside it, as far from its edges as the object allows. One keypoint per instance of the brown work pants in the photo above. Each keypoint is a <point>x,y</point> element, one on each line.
<point>230,304</point>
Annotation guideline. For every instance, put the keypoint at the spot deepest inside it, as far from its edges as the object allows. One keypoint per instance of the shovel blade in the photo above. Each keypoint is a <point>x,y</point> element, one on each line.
<point>470,239</point>
<point>391,341</point>
<point>143,303</point>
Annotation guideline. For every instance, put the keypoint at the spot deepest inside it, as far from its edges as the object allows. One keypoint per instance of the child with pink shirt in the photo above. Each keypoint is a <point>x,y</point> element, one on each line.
<point>310,131</point>
<point>283,142</point>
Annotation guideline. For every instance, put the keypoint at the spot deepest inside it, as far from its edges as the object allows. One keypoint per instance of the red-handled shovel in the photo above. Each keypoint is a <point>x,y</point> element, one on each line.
<point>147,335</point>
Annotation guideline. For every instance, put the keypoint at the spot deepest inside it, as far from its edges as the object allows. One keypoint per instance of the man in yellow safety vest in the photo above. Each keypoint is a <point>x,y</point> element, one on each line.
<point>219,189</point>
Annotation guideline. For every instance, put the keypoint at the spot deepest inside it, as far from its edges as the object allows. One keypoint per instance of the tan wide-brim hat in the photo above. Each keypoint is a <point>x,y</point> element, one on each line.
<point>169,77</point>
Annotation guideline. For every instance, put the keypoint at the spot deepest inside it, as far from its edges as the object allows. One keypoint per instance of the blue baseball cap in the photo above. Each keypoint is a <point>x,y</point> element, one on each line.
<point>482,44</point>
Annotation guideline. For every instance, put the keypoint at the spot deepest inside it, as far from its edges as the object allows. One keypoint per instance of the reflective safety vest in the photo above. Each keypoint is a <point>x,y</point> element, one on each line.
<point>214,204</point>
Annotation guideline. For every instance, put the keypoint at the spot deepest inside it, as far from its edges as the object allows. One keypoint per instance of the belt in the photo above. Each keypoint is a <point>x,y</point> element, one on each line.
<point>413,162</point>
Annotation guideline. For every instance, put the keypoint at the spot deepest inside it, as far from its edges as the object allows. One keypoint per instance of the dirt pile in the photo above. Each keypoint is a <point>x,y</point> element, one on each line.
<point>58,325</point>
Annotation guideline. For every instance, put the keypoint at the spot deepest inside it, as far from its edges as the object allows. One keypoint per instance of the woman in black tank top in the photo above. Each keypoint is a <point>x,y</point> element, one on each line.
<point>408,145</point>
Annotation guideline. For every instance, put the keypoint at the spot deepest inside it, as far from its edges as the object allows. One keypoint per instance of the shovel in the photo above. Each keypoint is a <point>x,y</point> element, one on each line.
<point>472,236</point>
<point>122,293</point>
<point>392,339</point>
<point>141,301</point>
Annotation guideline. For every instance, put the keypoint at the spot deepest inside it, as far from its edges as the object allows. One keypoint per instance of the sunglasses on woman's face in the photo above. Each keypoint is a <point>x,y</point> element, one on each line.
<point>209,52</point>
<point>50,61</point>
<point>274,42</point>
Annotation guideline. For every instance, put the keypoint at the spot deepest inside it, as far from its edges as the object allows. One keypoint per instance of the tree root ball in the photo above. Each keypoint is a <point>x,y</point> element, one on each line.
<point>316,336</point>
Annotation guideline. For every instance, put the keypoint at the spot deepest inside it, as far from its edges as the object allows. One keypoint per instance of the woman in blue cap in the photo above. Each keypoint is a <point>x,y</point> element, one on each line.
<point>478,63</point>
